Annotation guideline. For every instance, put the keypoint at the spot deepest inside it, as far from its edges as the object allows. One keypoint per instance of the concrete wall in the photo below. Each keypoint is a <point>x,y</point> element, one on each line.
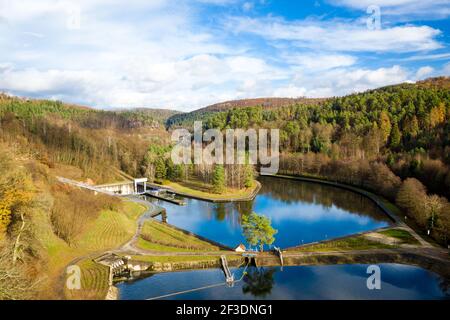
<point>124,189</point>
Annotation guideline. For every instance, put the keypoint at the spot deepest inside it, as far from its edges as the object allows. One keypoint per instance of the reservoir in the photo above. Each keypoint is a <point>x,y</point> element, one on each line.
<point>302,212</point>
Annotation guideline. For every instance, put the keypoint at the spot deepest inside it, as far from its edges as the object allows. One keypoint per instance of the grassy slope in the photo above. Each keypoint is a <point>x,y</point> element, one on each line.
<point>108,231</point>
<point>201,190</point>
<point>158,237</point>
<point>165,259</point>
<point>402,235</point>
<point>359,242</point>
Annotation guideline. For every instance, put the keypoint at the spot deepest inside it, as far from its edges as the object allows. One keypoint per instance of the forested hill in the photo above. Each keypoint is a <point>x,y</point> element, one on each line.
<point>147,116</point>
<point>92,140</point>
<point>186,119</point>
<point>400,118</point>
<point>271,106</point>
<point>405,126</point>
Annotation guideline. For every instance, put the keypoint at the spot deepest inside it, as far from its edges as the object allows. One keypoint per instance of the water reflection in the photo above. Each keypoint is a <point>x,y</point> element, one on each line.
<point>302,212</point>
<point>259,282</point>
<point>296,283</point>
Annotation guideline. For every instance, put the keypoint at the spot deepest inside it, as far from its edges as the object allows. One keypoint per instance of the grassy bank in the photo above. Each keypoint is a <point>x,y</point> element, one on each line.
<point>156,236</point>
<point>201,190</point>
<point>386,239</point>
<point>108,231</point>
<point>185,258</point>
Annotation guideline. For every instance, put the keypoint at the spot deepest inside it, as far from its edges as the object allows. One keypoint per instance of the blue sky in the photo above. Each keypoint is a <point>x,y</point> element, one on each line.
<point>188,54</point>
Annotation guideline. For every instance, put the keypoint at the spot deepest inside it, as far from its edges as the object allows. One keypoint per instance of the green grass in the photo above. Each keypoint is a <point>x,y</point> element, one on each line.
<point>403,235</point>
<point>133,210</point>
<point>347,244</point>
<point>94,282</point>
<point>166,259</point>
<point>110,230</point>
<point>147,245</point>
<point>156,236</point>
<point>202,190</point>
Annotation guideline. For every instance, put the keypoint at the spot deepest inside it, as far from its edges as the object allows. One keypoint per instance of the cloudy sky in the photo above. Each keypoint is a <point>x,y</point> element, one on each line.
<point>187,54</point>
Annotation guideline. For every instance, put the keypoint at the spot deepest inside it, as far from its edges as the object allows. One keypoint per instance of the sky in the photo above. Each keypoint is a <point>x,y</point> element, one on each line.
<point>188,54</point>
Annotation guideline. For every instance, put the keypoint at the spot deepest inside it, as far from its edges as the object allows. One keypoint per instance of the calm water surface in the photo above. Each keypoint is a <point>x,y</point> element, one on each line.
<point>302,212</point>
<point>299,283</point>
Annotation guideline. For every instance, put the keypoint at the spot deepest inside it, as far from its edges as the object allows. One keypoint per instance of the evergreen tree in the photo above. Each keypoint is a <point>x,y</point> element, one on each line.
<point>249,178</point>
<point>160,169</point>
<point>219,179</point>
<point>396,137</point>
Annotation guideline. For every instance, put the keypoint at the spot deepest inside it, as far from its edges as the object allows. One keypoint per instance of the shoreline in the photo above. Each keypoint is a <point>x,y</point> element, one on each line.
<point>425,256</point>
<point>213,199</point>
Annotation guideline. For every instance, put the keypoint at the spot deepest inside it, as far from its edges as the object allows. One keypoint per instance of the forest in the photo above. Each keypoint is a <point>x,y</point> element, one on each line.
<point>389,140</point>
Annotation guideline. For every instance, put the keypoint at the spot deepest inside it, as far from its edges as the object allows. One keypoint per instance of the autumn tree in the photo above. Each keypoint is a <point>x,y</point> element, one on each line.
<point>412,196</point>
<point>385,125</point>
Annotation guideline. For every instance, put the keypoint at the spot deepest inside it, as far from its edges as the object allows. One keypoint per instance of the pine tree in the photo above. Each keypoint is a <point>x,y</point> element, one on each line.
<point>396,137</point>
<point>219,179</point>
<point>249,178</point>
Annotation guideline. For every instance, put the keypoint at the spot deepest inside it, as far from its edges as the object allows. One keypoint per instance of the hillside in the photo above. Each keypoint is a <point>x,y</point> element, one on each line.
<point>92,140</point>
<point>147,116</point>
<point>270,104</point>
<point>187,119</point>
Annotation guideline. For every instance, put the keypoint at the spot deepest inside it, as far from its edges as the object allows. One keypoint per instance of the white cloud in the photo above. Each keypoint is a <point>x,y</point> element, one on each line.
<point>338,35</point>
<point>320,61</point>
<point>342,81</point>
<point>439,56</point>
<point>404,9</point>
<point>247,6</point>
<point>290,91</point>
<point>446,69</point>
<point>423,72</point>
<point>159,54</point>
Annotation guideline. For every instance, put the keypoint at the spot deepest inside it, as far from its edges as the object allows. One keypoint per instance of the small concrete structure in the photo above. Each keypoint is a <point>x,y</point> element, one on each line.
<point>128,187</point>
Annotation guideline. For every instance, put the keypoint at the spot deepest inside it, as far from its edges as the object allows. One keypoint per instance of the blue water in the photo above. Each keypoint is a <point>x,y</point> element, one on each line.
<point>302,212</point>
<point>300,283</point>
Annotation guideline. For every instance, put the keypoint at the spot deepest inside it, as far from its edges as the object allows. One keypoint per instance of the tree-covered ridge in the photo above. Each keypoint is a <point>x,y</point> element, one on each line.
<point>53,132</point>
<point>84,116</point>
<point>403,118</point>
<point>187,119</point>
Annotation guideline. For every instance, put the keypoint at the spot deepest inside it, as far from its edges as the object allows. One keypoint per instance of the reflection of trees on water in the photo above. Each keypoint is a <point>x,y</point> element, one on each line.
<point>326,196</point>
<point>259,281</point>
<point>444,285</point>
<point>220,211</point>
<point>244,207</point>
<point>232,211</point>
